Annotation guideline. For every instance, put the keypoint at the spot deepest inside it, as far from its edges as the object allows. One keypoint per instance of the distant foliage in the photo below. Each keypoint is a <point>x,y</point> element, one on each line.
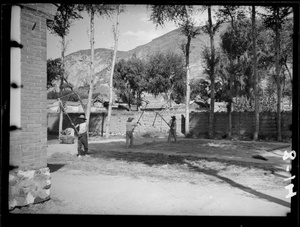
<point>162,74</point>
<point>166,75</point>
<point>267,103</point>
<point>65,16</point>
<point>54,72</point>
<point>241,67</point>
<point>129,80</point>
<point>56,95</point>
<point>200,90</point>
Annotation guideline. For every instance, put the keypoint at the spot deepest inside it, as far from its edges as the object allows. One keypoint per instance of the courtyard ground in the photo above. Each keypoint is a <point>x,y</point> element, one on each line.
<point>190,177</point>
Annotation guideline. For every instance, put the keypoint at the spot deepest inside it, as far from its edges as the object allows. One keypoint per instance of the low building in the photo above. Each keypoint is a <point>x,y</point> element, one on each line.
<point>74,107</point>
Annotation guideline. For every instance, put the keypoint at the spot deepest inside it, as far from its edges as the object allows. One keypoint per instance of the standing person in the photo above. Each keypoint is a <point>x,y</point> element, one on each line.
<point>82,136</point>
<point>172,131</point>
<point>129,131</point>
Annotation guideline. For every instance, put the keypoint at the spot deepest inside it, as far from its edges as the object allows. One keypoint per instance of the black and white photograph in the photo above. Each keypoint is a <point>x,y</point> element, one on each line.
<point>152,110</point>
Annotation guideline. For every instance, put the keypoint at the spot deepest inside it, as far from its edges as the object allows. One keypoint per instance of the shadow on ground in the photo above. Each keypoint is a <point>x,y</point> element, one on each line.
<point>162,159</point>
<point>212,172</point>
<point>116,151</point>
<point>54,167</point>
<point>151,159</point>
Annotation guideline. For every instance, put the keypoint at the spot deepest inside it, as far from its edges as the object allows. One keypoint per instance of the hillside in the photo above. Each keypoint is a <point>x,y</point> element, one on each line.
<point>77,62</point>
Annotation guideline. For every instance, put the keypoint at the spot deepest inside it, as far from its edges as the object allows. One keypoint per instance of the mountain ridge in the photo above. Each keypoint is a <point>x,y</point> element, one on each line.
<point>77,62</point>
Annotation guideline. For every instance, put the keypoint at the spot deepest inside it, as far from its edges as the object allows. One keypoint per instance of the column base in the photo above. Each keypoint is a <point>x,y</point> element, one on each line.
<point>28,187</point>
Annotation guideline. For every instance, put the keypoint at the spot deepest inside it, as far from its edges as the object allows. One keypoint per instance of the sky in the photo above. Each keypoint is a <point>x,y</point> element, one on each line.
<point>135,29</point>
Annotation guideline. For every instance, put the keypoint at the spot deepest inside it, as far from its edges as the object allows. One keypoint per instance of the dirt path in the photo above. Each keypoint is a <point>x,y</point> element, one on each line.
<point>102,194</point>
<point>164,179</point>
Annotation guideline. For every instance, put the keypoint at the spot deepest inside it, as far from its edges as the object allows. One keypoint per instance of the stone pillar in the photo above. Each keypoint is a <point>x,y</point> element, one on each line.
<point>27,187</point>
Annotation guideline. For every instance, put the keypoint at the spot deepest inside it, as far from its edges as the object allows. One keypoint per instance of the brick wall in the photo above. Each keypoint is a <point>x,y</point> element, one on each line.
<point>28,147</point>
<point>30,182</point>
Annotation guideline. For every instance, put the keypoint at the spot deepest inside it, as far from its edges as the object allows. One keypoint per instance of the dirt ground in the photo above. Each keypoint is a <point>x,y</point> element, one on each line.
<point>190,177</point>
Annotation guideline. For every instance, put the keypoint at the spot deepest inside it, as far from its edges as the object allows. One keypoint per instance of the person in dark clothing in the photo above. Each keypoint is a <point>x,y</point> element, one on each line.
<point>82,137</point>
<point>172,131</point>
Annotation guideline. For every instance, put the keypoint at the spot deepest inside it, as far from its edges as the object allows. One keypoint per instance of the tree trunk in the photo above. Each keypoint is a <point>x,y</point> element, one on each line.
<point>256,82</point>
<point>229,108</point>
<point>61,83</point>
<point>212,77</point>
<point>89,104</point>
<point>277,42</point>
<point>111,75</point>
<point>62,65</point>
<point>229,118</point>
<point>287,68</point>
<point>79,98</point>
<point>61,116</point>
<point>188,88</point>
<point>230,84</point>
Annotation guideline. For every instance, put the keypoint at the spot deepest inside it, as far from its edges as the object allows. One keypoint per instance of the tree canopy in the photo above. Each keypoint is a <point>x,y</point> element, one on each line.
<point>129,80</point>
<point>66,14</point>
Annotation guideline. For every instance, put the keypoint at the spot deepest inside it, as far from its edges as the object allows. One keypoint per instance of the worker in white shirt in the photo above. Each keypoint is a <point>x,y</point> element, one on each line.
<point>129,131</point>
<point>82,136</point>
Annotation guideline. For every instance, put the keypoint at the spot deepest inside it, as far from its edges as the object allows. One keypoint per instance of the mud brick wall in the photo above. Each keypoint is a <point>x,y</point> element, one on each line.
<point>118,125</point>
<point>28,146</point>
<point>96,122</point>
<point>242,123</point>
<point>118,122</point>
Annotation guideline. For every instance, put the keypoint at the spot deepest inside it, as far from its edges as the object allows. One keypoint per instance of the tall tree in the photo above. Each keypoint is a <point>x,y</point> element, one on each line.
<point>256,82</point>
<point>100,10</point>
<point>165,75</point>
<point>276,16</point>
<point>279,94</point>
<point>182,16</point>
<point>229,13</point>
<point>129,80</point>
<point>286,47</point>
<point>211,60</point>
<point>116,37</point>
<point>66,14</point>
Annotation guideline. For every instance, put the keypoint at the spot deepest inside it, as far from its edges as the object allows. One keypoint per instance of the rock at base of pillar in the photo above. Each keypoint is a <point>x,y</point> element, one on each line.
<point>28,187</point>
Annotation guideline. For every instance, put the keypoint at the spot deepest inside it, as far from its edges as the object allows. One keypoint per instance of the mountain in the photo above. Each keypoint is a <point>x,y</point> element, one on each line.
<point>77,62</point>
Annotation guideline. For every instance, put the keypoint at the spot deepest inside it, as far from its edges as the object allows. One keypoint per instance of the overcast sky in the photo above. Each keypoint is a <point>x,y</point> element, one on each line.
<point>135,29</point>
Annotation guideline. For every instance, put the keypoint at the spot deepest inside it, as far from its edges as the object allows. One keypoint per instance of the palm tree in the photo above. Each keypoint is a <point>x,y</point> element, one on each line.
<point>211,61</point>
<point>231,14</point>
